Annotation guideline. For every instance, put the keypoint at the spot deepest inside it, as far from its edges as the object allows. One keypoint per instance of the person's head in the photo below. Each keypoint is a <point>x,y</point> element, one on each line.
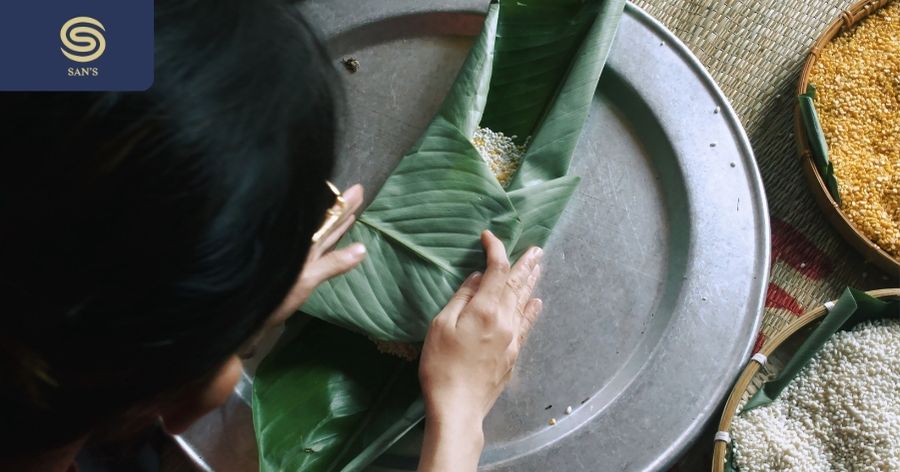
<point>145,236</point>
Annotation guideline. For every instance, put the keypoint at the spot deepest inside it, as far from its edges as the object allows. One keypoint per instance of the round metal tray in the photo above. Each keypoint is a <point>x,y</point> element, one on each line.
<point>654,278</point>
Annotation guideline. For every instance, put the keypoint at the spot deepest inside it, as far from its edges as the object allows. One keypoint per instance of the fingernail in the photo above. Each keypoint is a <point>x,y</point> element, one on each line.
<point>473,276</point>
<point>539,304</point>
<point>537,252</point>
<point>358,250</point>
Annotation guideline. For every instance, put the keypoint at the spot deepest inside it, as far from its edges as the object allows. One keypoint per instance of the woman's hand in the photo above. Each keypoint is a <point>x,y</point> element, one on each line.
<point>469,354</point>
<point>322,263</point>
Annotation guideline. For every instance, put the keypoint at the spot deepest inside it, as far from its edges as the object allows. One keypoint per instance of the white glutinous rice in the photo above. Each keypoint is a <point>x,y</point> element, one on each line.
<point>500,152</point>
<point>841,413</point>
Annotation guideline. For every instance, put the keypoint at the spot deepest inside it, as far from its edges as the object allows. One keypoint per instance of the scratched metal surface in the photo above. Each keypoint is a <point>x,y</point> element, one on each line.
<point>654,278</point>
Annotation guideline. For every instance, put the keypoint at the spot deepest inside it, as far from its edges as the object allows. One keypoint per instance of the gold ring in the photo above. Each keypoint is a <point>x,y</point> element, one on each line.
<point>332,215</point>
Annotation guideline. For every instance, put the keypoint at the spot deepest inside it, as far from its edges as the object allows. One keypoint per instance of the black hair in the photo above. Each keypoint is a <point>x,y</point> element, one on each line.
<point>145,236</point>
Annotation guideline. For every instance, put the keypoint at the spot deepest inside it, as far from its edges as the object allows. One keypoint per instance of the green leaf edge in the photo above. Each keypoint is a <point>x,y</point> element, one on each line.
<point>816,139</point>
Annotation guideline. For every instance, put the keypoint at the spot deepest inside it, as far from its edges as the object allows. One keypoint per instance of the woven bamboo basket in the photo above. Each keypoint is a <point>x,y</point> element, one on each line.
<point>849,18</point>
<point>766,364</point>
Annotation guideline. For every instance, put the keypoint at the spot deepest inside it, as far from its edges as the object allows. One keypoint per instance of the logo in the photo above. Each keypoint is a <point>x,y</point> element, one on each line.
<point>82,39</point>
<point>77,45</point>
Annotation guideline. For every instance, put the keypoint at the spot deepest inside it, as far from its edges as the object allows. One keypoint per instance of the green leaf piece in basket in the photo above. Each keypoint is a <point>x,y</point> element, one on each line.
<point>532,72</point>
<point>817,144</point>
<point>852,308</point>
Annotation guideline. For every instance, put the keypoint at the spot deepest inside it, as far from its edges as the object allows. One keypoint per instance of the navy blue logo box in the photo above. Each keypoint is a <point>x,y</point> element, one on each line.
<point>76,45</point>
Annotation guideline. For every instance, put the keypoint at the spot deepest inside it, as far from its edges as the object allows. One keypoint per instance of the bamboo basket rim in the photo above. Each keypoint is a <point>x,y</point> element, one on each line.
<point>871,251</point>
<point>753,366</point>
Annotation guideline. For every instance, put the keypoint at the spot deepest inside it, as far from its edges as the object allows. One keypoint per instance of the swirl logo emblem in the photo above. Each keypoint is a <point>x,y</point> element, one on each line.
<point>82,39</point>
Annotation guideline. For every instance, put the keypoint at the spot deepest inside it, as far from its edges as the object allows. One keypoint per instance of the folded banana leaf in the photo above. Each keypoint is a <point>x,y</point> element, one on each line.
<point>817,144</point>
<point>532,73</point>
<point>328,401</point>
<point>852,308</point>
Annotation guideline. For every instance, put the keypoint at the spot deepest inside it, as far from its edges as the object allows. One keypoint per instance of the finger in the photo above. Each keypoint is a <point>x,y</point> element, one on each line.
<point>461,298</point>
<point>337,233</point>
<point>528,289</point>
<point>354,197</point>
<point>523,297</point>
<point>531,313</point>
<point>332,264</point>
<point>512,353</point>
<point>495,275</point>
<point>533,279</point>
<point>519,284</point>
<point>511,360</point>
<point>328,242</point>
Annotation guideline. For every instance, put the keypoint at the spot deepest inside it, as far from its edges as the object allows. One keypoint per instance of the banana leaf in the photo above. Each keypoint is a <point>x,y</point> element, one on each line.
<point>328,400</point>
<point>532,73</point>
<point>817,144</point>
<point>852,308</point>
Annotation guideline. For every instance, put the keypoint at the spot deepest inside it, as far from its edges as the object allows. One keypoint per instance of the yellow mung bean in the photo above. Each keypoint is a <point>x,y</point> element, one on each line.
<point>857,78</point>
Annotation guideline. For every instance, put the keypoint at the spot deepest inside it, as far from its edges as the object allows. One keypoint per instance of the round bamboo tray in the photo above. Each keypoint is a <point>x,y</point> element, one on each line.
<point>763,365</point>
<point>849,18</point>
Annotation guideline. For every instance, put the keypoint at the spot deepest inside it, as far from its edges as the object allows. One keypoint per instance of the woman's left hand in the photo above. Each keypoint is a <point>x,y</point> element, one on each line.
<point>323,263</point>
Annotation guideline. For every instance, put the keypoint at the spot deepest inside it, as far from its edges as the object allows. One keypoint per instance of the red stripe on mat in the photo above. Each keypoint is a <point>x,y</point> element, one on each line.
<point>760,340</point>
<point>777,297</point>
<point>792,247</point>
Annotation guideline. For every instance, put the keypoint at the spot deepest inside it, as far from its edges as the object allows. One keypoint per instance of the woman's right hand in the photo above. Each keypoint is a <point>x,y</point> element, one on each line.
<point>469,354</point>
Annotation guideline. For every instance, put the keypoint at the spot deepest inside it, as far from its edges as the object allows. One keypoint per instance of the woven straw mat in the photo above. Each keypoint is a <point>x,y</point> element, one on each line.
<point>755,50</point>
